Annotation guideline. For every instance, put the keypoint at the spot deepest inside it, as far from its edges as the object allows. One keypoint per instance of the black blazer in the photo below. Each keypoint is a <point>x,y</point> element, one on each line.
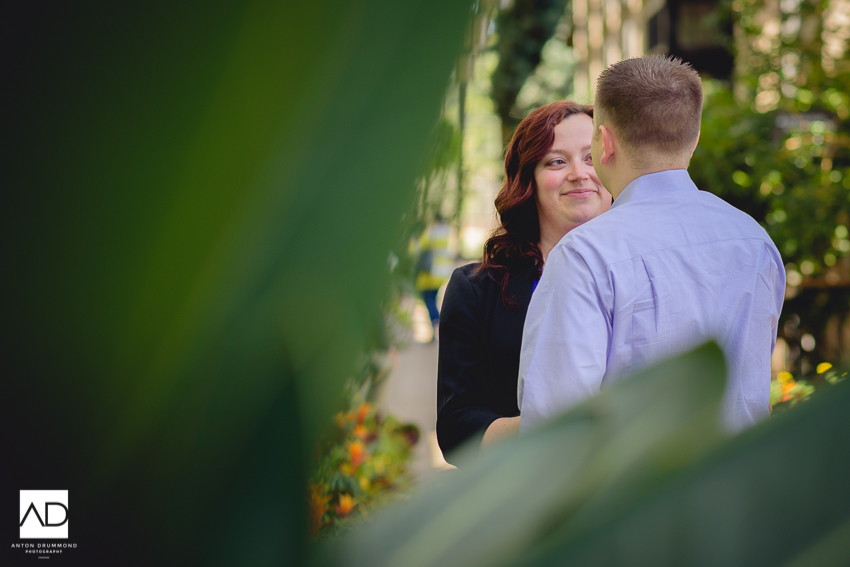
<point>480,340</point>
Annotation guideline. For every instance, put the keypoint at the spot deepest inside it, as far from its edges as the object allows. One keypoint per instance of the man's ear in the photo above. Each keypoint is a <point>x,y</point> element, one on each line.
<point>607,144</point>
<point>695,146</point>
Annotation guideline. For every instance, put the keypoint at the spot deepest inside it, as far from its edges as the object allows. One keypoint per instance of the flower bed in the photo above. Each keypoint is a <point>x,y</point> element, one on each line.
<point>786,392</point>
<point>362,467</point>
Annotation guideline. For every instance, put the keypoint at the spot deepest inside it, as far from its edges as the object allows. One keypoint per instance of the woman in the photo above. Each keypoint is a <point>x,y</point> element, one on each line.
<point>550,187</point>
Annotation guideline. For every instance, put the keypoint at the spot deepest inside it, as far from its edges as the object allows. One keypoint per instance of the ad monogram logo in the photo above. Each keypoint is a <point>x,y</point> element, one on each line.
<point>44,514</point>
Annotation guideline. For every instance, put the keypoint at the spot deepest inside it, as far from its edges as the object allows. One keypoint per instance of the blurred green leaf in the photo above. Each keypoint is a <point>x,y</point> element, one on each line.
<point>200,204</point>
<point>639,475</point>
<point>777,493</point>
<point>560,481</point>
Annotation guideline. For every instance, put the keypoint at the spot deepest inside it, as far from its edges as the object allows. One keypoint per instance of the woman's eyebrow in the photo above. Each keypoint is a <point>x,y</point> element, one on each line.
<point>564,152</point>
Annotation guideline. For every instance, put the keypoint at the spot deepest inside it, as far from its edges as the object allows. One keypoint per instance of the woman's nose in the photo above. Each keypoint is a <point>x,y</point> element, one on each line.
<point>577,172</point>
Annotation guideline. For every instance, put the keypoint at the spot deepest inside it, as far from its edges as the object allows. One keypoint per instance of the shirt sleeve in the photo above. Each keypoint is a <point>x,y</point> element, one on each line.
<point>565,342</point>
<point>464,410</point>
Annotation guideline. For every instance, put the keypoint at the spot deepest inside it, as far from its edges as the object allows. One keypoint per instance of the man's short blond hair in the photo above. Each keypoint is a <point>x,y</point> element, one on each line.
<point>653,103</point>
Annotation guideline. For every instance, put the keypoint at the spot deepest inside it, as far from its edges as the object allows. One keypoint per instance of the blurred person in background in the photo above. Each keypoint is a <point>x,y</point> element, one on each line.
<point>434,266</point>
<point>550,187</point>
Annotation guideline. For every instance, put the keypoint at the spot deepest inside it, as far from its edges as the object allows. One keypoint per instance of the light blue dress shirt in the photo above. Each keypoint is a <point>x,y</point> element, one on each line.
<point>667,268</point>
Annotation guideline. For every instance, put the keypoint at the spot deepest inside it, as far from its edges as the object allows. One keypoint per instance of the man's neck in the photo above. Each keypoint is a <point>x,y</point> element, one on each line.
<point>629,174</point>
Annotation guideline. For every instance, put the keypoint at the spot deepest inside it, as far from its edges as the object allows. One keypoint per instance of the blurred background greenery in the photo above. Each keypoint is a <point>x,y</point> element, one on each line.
<point>208,212</point>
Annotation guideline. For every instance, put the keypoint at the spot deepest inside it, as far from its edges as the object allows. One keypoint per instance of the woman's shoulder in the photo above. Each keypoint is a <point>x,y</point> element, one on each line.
<point>468,283</point>
<point>473,274</point>
<point>469,292</point>
<point>484,279</point>
<point>468,270</point>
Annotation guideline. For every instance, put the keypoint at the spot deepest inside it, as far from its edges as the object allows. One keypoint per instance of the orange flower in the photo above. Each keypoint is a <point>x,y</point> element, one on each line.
<point>356,452</point>
<point>361,432</point>
<point>788,386</point>
<point>346,504</point>
<point>362,412</point>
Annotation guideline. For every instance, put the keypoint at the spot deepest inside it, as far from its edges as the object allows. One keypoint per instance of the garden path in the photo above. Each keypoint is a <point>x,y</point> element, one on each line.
<point>410,394</point>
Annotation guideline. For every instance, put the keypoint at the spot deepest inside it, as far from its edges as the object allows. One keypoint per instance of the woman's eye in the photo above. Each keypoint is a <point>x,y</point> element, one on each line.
<point>557,162</point>
<point>588,158</point>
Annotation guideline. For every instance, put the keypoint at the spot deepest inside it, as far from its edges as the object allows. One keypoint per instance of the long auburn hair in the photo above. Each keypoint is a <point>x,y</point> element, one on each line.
<point>513,244</point>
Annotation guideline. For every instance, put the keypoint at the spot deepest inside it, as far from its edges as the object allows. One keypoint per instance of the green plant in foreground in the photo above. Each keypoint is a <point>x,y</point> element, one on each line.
<point>198,216</point>
<point>640,475</point>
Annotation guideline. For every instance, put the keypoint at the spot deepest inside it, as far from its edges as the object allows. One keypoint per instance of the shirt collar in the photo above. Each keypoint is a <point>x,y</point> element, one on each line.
<point>654,185</point>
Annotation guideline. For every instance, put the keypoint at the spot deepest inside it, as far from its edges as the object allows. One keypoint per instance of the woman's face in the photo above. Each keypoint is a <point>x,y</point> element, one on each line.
<point>569,192</point>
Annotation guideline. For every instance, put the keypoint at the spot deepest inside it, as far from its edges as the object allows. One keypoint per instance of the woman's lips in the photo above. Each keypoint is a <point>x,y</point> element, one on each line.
<point>579,193</point>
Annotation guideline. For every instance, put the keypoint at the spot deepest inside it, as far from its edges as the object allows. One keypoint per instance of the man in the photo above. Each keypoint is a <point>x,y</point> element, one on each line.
<point>667,268</point>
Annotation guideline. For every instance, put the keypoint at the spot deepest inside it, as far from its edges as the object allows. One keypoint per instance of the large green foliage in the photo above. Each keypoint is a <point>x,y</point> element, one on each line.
<point>639,475</point>
<point>199,204</point>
